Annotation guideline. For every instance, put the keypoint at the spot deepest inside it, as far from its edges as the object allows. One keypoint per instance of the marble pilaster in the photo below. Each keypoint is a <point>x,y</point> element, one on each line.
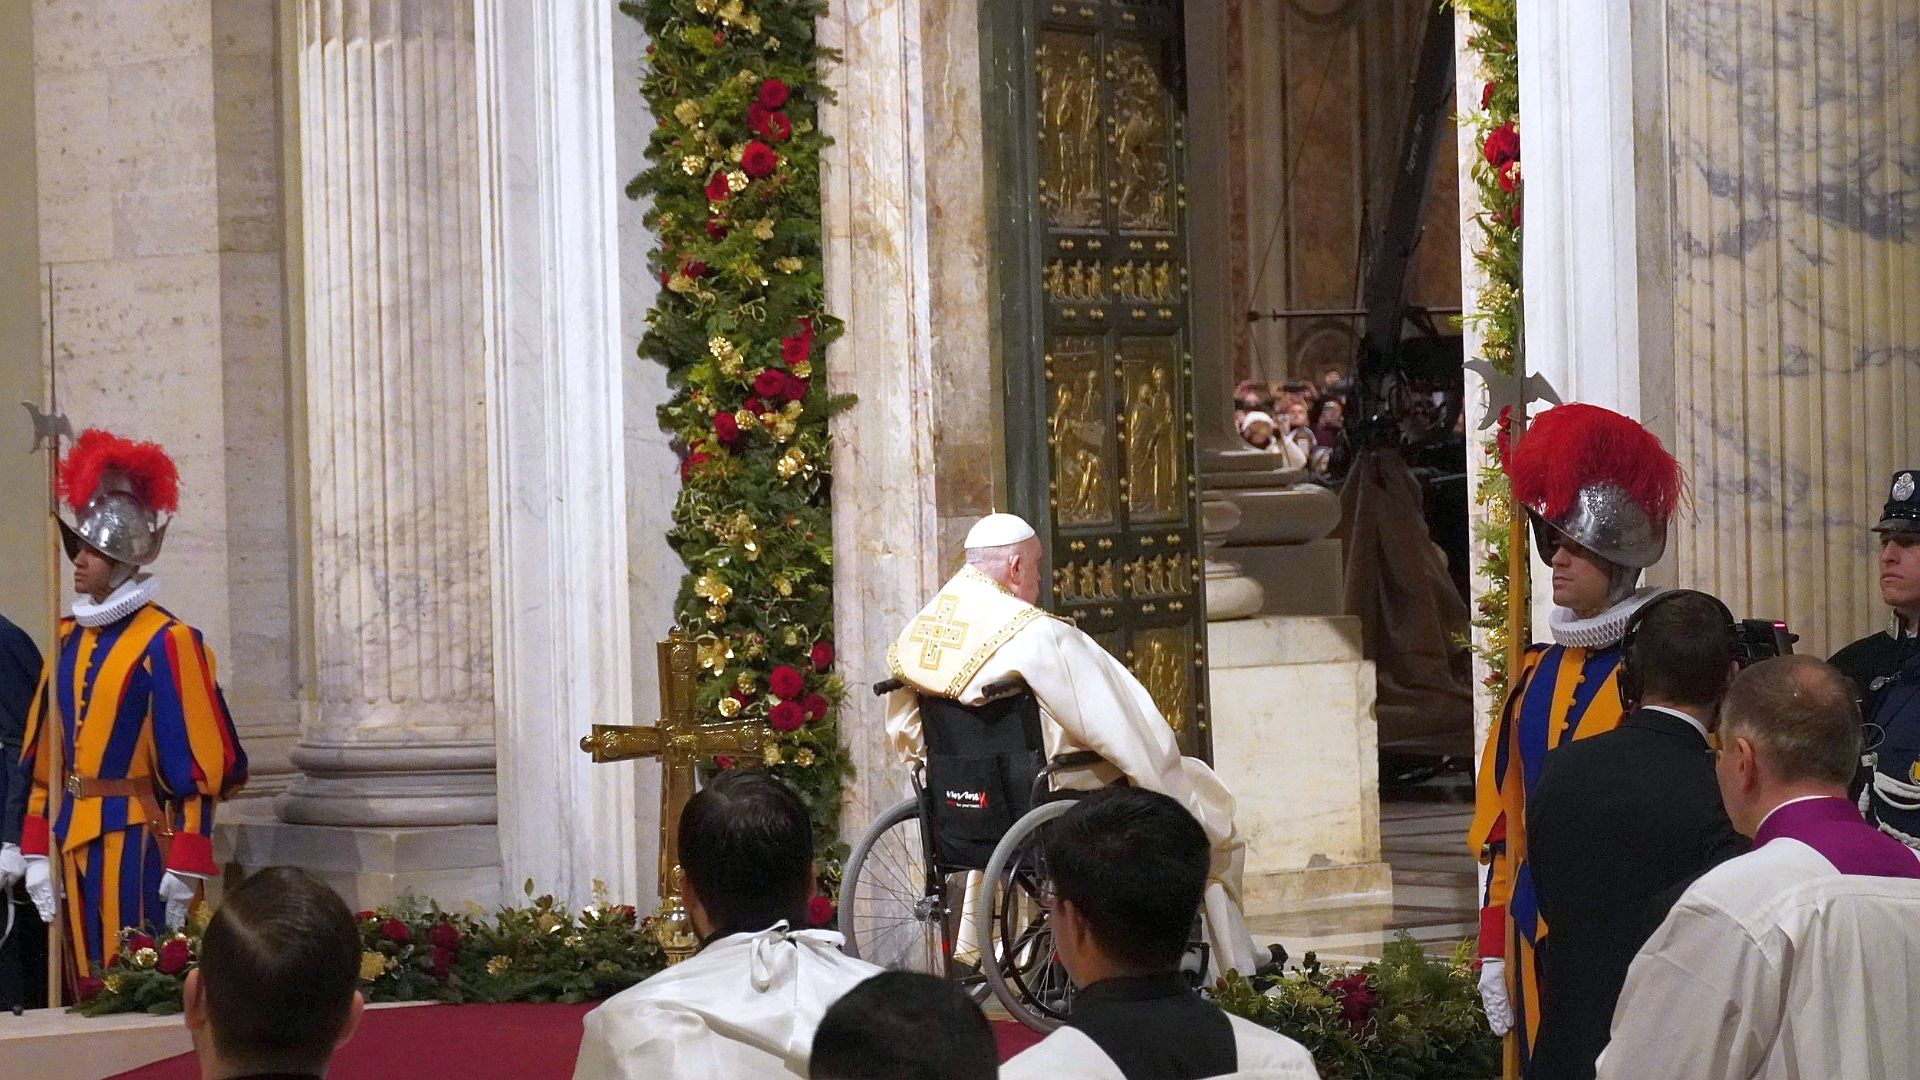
<point>401,727</point>
<point>558,448</point>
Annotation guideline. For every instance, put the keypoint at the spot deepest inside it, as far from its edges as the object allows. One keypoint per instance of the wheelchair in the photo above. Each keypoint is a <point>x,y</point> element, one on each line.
<point>909,895</point>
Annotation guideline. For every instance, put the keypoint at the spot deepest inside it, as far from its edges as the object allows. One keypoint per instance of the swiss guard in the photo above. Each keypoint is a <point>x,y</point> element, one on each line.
<point>1887,666</point>
<point>148,746</point>
<point>1599,490</point>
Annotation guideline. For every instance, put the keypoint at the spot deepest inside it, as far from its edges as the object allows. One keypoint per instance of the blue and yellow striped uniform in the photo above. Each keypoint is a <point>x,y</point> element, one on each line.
<point>1559,694</point>
<point>138,701</point>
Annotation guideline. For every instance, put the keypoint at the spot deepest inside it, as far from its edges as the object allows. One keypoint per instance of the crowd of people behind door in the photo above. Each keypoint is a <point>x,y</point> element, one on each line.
<point>1298,421</point>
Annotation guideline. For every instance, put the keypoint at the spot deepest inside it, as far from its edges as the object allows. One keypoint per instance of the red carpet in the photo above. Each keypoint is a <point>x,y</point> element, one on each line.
<point>476,1042</point>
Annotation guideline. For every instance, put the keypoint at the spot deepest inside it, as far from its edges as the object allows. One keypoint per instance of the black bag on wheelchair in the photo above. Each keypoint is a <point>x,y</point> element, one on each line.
<point>981,764</point>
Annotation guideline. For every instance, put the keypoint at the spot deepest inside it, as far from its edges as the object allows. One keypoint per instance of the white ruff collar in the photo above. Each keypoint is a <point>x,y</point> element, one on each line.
<point>1602,631</point>
<point>132,595</point>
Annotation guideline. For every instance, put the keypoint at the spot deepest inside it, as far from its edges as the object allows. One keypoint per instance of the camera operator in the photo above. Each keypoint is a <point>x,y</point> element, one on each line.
<point>1620,823</point>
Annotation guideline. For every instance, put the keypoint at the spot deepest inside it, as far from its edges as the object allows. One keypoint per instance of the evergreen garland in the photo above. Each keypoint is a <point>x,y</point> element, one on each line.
<point>734,184</point>
<point>1496,310</point>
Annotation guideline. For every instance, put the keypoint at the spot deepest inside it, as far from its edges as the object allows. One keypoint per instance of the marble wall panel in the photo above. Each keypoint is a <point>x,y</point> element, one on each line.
<point>1796,247</point>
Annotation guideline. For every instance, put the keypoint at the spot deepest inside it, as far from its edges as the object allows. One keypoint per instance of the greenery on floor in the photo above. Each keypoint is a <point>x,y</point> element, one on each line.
<point>1406,1016</point>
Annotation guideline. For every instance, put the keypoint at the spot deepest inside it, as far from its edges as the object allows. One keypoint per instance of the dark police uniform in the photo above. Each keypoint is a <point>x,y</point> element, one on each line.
<point>1886,669</point>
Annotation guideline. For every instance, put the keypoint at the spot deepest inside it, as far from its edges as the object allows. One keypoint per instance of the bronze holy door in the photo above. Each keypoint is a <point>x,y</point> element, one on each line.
<point>1085,106</point>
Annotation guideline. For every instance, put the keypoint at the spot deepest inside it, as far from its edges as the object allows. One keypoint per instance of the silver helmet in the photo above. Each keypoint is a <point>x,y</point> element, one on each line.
<point>115,524</point>
<point>1605,521</point>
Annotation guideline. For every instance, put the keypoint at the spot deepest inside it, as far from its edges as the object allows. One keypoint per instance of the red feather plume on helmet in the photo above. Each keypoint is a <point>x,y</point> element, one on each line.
<point>96,455</point>
<point>1570,447</point>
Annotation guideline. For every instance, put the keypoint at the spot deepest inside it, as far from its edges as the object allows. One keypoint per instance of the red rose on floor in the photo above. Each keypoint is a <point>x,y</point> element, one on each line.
<point>769,383</point>
<point>758,160</point>
<point>795,349</point>
<point>723,762</point>
<point>821,655</point>
<point>717,189</point>
<point>725,428</point>
<point>773,94</point>
<point>779,128</point>
<point>758,117</point>
<point>786,682</point>
<point>442,962</point>
<point>396,931</point>
<point>444,936</point>
<point>175,955</point>
<point>1356,999</point>
<point>786,716</point>
<point>136,942</point>
<point>1502,146</point>
<point>820,912</point>
<point>815,706</point>
<point>88,987</point>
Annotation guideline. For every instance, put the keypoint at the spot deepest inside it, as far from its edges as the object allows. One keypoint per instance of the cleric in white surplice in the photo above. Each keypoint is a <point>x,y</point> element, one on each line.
<point>1800,959</point>
<point>983,628</point>
<point>745,1005</point>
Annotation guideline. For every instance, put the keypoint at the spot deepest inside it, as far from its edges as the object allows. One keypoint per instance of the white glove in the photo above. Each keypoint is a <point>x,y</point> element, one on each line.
<point>1493,996</point>
<point>178,891</point>
<point>40,885</point>
<point>13,866</point>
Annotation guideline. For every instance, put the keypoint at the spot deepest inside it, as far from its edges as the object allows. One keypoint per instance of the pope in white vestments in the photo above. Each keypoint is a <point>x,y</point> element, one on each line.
<point>982,630</point>
<point>744,1006</point>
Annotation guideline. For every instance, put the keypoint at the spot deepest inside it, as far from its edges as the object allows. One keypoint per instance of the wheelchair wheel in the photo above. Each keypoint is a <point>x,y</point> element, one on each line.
<point>1019,959</point>
<point>888,913</point>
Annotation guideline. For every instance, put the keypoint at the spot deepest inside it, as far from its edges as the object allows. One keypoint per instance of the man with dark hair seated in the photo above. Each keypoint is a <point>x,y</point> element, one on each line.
<point>747,1003</point>
<point>902,1025</point>
<point>277,989</point>
<point>1126,869</point>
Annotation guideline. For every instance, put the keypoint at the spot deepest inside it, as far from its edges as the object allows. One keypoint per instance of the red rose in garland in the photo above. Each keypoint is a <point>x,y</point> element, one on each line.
<point>795,387</point>
<point>175,955</point>
<point>1356,998</point>
<point>442,962</point>
<point>815,706</point>
<point>821,655</point>
<point>786,682</point>
<point>820,912</point>
<point>758,118</point>
<point>772,95</point>
<point>786,716</point>
<point>444,936</point>
<point>396,931</point>
<point>1486,96</point>
<point>136,942</point>
<point>758,160</point>
<point>754,405</point>
<point>725,428</point>
<point>795,349</point>
<point>723,762</point>
<point>1503,145</point>
<point>769,383</point>
<point>779,128</point>
<point>717,189</point>
<point>688,463</point>
<point>716,229</point>
<point>1508,176</point>
<point>88,988</point>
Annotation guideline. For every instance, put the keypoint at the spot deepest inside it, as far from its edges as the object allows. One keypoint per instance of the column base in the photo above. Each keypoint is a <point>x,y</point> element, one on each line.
<point>391,786</point>
<point>373,865</point>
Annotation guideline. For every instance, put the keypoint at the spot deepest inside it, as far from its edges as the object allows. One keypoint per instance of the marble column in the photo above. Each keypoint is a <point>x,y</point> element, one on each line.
<point>1796,252</point>
<point>401,727</point>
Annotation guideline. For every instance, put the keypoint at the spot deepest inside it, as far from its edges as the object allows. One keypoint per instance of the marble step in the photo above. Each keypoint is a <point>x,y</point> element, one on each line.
<point>1283,640</point>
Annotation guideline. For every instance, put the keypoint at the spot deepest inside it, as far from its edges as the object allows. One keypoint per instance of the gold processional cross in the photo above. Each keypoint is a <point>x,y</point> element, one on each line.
<point>681,742</point>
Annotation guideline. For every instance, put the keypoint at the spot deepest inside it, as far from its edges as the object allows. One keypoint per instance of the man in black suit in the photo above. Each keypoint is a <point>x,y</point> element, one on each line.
<point>1619,824</point>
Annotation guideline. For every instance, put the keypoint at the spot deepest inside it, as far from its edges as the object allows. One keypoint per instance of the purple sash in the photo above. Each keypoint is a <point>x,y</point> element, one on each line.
<point>1832,827</point>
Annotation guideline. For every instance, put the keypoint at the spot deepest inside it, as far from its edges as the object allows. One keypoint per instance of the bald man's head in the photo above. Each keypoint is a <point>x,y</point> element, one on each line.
<point>1799,714</point>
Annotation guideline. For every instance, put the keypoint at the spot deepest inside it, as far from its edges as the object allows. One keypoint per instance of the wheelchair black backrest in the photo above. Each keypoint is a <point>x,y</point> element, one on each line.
<point>981,765</point>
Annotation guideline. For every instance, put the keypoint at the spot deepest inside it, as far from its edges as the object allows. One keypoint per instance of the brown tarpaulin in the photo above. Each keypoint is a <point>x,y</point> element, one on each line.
<point>1410,614</point>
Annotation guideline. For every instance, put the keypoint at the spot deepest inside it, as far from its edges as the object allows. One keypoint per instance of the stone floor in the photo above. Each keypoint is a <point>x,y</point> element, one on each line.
<point>1434,892</point>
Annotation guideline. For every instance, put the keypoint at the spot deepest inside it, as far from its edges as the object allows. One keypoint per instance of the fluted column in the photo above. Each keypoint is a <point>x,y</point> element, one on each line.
<point>1797,255</point>
<point>401,723</point>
